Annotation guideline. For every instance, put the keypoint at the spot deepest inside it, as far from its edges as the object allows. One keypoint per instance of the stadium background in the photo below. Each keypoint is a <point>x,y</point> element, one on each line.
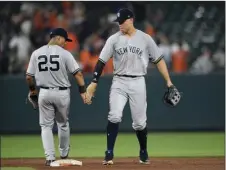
<point>192,37</point>
<point>189,30</point>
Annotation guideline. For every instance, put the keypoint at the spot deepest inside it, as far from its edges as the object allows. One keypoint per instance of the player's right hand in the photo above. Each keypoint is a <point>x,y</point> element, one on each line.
<point>33,98</point>
<point>91,89</point>
<point>33,92</point>
<point>86,98</point>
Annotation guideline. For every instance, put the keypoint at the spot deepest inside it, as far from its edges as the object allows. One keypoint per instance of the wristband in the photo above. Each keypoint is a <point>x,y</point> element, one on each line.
<point>32,88</point>
<point>98,70</point>
<point>82,89</point>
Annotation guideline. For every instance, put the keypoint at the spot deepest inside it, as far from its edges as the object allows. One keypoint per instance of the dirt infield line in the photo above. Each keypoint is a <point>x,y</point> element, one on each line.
<point>208,163</point>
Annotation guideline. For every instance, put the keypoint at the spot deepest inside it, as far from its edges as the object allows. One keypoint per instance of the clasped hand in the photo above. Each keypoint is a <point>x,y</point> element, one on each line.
<point>90,91</point>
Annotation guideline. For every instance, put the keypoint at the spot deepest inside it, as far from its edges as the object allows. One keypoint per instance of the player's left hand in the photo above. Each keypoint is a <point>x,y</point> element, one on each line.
<point>172,96</point>
<point>83,96</point>
<point>33,98</point>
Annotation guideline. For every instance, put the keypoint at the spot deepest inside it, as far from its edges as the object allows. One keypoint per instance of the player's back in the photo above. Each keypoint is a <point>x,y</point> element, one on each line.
<point>50,62</point>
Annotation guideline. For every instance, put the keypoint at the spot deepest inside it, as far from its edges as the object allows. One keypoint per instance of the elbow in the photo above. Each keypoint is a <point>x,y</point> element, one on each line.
<point>78,75</point>
<point>28,78</point>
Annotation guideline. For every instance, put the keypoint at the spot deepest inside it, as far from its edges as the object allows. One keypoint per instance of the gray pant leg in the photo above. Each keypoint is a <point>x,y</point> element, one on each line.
<point>46,121</point>
<point>62,104</point>
<point>138,103</point>
<point>117,101</point>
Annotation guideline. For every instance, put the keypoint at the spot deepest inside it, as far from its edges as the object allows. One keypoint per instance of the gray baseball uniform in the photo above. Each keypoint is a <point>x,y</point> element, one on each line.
<point>131,56</point>
<point>50,66</point>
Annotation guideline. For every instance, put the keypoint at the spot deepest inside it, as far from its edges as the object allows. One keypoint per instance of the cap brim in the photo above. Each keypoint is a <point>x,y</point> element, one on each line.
<point>69,40</point>
<point>120,21</point>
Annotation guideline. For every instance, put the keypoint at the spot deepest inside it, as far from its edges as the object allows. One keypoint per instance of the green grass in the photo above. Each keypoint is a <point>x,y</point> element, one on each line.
<point>16,168</point>
<point>94,145</point>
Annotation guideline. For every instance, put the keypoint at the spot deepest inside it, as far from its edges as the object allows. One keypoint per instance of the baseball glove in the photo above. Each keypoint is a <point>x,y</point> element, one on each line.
<point>33,99</point>
<point>172,96</point>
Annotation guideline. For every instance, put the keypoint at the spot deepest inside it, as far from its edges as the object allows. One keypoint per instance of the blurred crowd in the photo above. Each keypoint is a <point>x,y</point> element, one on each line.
<point>191,41</point>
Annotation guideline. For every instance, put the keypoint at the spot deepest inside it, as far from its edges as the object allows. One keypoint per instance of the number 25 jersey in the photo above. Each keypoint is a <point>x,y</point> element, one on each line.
<point>50,65</point>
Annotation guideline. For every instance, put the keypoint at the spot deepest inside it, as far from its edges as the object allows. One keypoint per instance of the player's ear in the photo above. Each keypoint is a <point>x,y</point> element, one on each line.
<point>58,38</point>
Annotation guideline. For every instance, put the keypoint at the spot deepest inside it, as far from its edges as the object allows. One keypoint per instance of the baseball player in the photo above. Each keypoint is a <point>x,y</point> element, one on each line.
<point>50,66</point>
<point>131,50</point>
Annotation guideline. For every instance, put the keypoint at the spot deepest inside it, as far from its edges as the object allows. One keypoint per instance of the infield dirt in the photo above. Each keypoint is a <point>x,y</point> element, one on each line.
<point>209,163</point>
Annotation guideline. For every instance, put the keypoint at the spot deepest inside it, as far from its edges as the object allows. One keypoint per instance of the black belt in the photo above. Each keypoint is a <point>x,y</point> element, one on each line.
<point>131,76</point>
<point>60,88</point>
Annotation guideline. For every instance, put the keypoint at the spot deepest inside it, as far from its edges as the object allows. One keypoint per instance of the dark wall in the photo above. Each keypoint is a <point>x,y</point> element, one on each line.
<point>202,107</point>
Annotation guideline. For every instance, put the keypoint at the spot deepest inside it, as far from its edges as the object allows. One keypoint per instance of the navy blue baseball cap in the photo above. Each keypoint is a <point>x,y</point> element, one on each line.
<point>60,32</point>
<point>123,14</point>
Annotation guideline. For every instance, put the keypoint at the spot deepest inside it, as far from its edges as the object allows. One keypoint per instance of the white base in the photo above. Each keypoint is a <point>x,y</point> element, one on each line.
<point>66,162</point>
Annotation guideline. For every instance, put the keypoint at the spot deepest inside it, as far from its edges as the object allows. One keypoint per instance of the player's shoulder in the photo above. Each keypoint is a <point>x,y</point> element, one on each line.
<point>145,37</point>
<point>114,37</point>
<point>38,51</point>
<point>117,34</point>
<point>60,50</point>
<point>65,52</point>
<point>143,34</point>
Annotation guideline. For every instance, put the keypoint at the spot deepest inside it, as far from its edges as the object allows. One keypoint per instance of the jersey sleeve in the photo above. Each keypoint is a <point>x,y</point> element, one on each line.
<point>71,64</point>
<point>31,66</point>
<point>107,51</point>
<point>155,55</point>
